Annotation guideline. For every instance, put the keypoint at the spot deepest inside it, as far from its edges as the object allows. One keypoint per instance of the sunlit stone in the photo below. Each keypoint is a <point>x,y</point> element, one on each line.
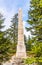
<point>21,50</point>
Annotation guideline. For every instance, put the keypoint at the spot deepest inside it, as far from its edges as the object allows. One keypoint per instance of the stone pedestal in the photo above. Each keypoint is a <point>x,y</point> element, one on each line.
<point>21,50</point>
<point>18,61</point>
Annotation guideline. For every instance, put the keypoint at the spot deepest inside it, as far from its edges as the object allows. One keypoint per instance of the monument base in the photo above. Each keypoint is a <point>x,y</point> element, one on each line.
<point>21,51</point>
<point>21,55</point>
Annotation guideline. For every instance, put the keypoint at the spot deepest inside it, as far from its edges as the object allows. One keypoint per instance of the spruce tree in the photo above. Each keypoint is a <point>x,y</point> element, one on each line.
<point>14,28</point>
<point>12,32</point>
<point>35,18</point>
<point>5,44</point>
<point>35,22</point>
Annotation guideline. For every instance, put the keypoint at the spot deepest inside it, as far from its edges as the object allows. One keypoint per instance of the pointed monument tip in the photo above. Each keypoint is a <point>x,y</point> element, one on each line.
<point>20,9</point>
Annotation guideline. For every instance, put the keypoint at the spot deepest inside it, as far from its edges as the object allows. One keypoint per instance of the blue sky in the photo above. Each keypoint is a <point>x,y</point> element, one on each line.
<point>9,7</point>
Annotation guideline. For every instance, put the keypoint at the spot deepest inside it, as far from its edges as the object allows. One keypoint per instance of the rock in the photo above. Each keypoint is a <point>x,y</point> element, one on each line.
<point>18,61</point>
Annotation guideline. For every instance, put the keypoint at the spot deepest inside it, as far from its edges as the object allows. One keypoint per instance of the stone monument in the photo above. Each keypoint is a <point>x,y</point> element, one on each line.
<point>21,49</point>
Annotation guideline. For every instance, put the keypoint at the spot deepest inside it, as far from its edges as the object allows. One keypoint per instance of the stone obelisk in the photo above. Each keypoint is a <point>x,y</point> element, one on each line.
<point>21,49</point>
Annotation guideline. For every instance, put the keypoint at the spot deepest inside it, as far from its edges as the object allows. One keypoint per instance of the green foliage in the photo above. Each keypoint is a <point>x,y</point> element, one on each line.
<point>33,60</point>
<point>29,60</point>
<point>29,44</point>
<point>12,32</point>
<point>7,48</point>
<point>14,28</point>
<point>1,22</point>
<point>25,39</point>
<point>35,22</point>
<point>37,49</point>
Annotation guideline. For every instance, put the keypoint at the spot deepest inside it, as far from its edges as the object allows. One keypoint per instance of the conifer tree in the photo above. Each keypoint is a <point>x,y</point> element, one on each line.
<point>35,22</point>
<point>12,32</point>
<point>5,44</point>
<point>14,28</point>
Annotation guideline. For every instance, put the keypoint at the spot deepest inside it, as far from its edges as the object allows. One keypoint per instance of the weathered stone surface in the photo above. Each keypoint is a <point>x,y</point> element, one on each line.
<point>18,61</point>
<point>21,50</point>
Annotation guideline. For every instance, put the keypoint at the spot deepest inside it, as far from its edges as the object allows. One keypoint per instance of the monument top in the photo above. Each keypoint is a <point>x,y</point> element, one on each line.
<point>20,9</point>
